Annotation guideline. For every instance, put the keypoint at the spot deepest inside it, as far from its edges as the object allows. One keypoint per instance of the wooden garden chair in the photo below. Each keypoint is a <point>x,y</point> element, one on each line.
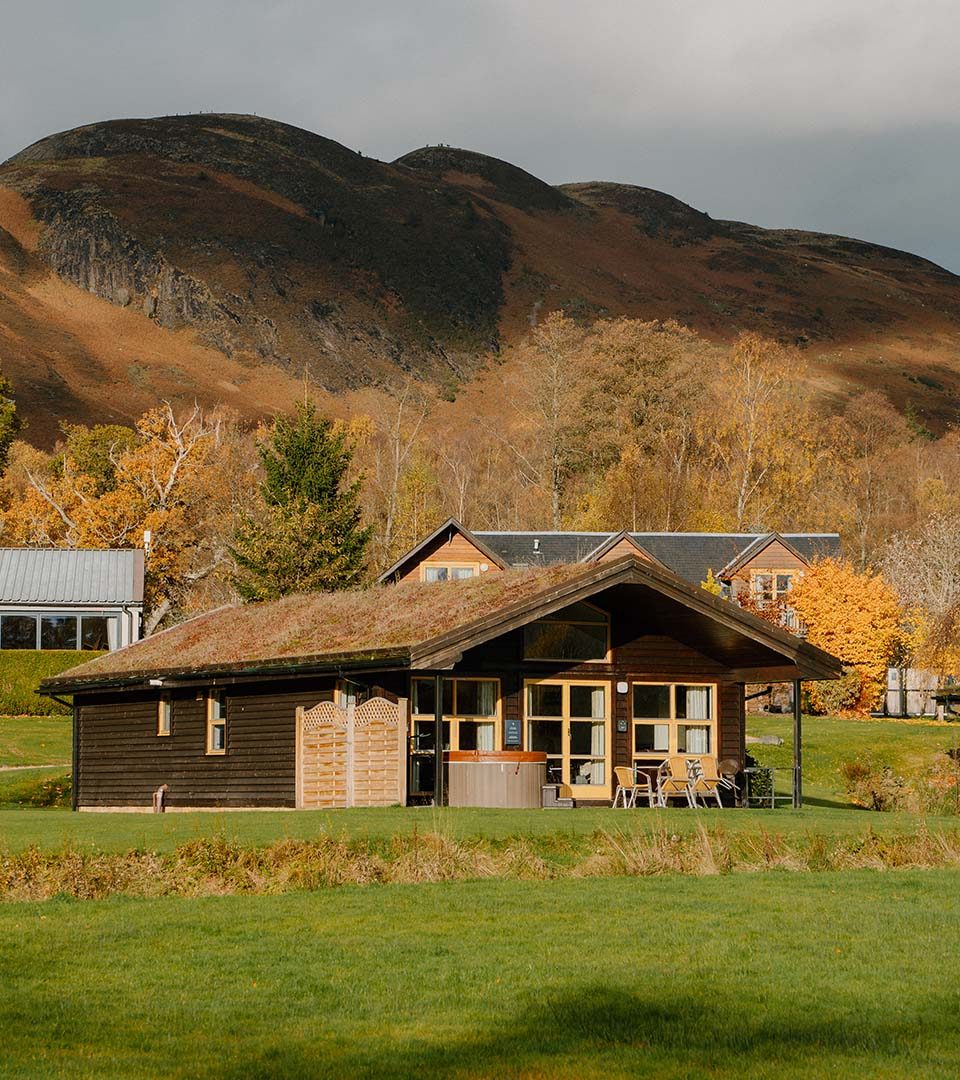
<point>629,787</point>
<point>673,781</point>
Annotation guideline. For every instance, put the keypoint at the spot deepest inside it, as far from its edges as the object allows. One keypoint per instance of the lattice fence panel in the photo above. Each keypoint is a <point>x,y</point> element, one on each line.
<point>377,761</point>
<point>351,757</point>
<point>323,756</point>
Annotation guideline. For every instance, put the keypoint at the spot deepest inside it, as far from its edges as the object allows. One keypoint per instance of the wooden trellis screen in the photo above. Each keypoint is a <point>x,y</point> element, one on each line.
<point>355,756</point>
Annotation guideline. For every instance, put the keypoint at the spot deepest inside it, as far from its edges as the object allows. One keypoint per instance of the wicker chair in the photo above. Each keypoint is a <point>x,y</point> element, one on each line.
<point>673,781</point>
<point>729,769</point>
<point>629,787</point>
<point>705,779</point>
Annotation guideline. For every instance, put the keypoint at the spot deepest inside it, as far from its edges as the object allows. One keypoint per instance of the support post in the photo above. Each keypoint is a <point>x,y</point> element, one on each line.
<point>438,740</point>
<point>797,749</point>
<point>75,759</point>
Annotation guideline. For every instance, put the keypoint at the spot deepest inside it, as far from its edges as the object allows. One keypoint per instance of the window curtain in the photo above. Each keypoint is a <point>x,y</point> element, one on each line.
<point>485,736</point>
<point>113,626</point>
<point>486,702</point>
<point>698,740</point>
<point>596,703</point>
<point>597,739</point>
<point>698,702</point>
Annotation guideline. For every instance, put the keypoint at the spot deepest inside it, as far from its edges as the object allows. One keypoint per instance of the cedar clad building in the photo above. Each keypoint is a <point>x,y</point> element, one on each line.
<point>337,699</point>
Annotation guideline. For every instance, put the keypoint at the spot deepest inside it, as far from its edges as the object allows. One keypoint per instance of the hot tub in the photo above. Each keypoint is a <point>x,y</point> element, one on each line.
<point>513,778</point>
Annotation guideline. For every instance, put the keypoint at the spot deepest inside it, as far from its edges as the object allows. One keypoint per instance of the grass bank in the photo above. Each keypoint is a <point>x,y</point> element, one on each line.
<point>809,976</point>
<point>216,866</point>
<point>35,740</point>
<point>914,753</point>
<point>59,830</point>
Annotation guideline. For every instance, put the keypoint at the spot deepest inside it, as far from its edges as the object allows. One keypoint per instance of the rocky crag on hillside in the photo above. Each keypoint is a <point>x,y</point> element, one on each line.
<point>276,247</point>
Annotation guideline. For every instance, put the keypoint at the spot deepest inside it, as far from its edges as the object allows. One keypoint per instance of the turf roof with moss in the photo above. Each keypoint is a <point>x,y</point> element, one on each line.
<point>369,624</point>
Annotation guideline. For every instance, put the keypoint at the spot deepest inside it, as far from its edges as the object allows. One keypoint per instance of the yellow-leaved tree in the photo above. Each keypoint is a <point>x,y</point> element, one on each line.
<point>857,616</point>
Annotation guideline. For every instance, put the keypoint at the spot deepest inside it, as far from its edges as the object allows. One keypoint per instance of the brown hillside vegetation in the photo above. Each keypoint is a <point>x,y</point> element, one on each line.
<point>226,258</point>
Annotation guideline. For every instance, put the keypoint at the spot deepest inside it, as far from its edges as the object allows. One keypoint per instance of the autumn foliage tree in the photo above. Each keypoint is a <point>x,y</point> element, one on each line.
<point>856,616</point>
<point>179,478</point>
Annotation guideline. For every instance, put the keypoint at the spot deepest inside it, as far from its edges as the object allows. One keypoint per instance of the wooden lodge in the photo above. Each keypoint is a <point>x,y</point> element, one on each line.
<point>338,699</point>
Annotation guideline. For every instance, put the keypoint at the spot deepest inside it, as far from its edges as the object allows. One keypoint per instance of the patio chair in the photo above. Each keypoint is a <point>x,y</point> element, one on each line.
<point>629,787</point>
<point>673,781</point>
<point>728,769</point>
<point>705,779</point>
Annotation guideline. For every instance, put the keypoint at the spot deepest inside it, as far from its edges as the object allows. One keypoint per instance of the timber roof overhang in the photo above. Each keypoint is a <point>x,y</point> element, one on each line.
<point>436,624</point>
<point>450,526</point>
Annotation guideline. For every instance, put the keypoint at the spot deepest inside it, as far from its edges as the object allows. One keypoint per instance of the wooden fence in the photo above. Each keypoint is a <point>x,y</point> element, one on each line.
<point>353,756</point>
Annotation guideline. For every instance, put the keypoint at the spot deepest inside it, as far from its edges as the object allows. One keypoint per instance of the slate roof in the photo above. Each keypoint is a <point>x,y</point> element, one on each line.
<point>64,577</point>
<point>690,555</point>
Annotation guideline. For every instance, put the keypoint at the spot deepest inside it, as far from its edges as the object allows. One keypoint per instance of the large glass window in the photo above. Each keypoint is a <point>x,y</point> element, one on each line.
<point>58,631</point>
<point>98,632</point>
<point>672,718</point>
<point>18,631</point>
<point>470,714</point>
<point>569,722</point>
<point>52,630</point>
<point>578,632</point>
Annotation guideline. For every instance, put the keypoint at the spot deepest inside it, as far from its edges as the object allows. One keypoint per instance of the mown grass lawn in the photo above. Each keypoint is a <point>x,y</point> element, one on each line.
<point>908,747</point>
<point>54,830</point>
<point>828,975</point>
<point>35,740</point>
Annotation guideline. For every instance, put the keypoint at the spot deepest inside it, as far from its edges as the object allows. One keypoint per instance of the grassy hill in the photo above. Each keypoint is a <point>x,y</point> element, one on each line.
<point>224,257</point>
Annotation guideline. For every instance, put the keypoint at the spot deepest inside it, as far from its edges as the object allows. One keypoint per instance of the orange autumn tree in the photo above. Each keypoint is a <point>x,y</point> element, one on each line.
<point>856,615</point>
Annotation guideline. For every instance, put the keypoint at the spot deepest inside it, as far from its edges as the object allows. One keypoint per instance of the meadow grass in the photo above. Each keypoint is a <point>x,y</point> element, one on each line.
<point>776,975</point>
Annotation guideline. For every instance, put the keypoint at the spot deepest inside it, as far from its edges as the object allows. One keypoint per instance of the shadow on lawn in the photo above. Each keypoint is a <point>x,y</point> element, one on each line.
<point>599,1031</point>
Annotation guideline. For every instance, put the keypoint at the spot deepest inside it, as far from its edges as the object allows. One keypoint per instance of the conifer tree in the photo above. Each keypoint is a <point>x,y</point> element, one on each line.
<point>309,537</point>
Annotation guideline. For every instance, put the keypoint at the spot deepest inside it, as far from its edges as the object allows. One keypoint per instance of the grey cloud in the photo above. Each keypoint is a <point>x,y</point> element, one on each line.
<point>837,116</point>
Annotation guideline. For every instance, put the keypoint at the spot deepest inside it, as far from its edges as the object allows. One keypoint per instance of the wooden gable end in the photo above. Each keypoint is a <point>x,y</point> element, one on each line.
<point>776,557</point>
<point>623,547</point>
<point>451,549</point>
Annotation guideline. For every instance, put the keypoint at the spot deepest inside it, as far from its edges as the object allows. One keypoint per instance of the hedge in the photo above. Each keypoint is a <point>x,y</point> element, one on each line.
<point>20,673</point>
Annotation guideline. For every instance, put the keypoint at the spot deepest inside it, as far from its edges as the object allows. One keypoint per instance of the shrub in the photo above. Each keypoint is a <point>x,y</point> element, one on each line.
<point>874,785</point>
<point>27,789</point>
<point>20,673</point>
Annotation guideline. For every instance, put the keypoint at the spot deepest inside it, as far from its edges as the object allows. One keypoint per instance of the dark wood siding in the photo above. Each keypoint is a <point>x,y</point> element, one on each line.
<point>122,760</point>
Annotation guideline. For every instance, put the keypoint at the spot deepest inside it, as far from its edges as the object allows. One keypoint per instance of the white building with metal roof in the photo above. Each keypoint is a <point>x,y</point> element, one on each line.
<point>61,598</point>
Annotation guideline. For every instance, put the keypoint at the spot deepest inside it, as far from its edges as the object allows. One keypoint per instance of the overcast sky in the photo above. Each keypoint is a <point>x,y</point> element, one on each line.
<point>835,115</point>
